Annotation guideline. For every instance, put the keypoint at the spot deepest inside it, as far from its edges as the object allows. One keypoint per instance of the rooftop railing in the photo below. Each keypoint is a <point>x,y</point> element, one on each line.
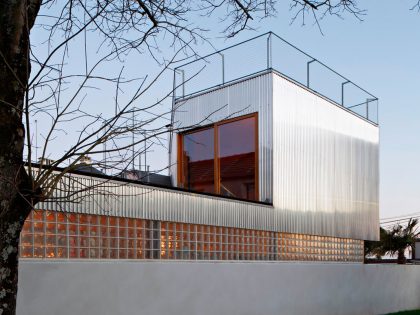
<point>271,52</point>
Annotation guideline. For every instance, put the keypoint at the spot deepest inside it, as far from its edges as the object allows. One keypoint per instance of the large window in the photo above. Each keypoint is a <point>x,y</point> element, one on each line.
<point>198,160</point>
<point>221,158</point>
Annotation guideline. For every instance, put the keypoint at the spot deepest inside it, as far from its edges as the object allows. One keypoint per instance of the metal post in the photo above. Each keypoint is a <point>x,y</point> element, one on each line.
<point>36,140</point>
<point>172,118</point>
<point>307,71</point>
<point>183,82</point>
<point>145,154</point>
<point>104,147</point>
<point>132,149</point>
<point>269,53</point>
<point>342,91</point>
<point>367,108</point>
<point>223,67</point>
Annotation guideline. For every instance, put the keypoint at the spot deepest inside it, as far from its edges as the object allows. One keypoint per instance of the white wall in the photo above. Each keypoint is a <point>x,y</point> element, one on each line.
<point>184,288</point>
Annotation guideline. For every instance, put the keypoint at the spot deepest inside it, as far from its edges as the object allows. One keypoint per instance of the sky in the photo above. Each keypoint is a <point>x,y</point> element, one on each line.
<point>380,53</point>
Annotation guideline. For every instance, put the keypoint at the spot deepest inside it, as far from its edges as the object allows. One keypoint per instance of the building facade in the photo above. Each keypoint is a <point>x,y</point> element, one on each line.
<point>262,168</point>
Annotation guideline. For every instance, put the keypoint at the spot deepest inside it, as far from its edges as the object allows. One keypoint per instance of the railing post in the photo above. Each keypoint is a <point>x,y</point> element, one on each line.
<point>307,71</point>
<point>223,67</point>
<point>342,91</point>
<point>172,117</point>
<point>269,51</point>
<point>367,108</point>
<point>183,82</point>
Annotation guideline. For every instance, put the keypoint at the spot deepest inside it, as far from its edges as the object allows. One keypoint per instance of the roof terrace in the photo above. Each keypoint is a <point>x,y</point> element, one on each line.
<point>270,52</point>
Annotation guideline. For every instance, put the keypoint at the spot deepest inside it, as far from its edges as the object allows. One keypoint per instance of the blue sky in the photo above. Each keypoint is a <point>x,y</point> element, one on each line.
<point>381,54</point>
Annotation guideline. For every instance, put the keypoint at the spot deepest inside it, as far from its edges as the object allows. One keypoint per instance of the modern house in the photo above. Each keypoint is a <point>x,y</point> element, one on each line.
<point>417,250</point>
<point>272,190</point>
<point>263,167</point>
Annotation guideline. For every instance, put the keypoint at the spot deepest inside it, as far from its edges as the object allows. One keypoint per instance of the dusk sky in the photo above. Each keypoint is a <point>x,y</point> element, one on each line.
<point>380,53</point>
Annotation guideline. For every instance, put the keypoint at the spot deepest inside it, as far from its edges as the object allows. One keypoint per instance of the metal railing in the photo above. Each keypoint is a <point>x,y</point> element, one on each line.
<point>271,52</point>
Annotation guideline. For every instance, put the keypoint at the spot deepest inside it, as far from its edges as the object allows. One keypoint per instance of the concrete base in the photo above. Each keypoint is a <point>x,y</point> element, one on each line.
<point>187,288</point>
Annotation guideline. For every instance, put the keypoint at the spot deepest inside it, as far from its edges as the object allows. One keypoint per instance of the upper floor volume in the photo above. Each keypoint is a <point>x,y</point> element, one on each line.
<point>264,121</point>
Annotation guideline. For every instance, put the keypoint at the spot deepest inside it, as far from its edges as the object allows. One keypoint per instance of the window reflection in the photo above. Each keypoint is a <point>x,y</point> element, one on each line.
<point>222,159</point>
<point>237,158</point>
<point>198,160</point>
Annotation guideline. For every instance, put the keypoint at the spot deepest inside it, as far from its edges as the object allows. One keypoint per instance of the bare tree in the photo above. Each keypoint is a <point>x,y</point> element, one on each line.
<point>316,10</point>
<point>40,82</point>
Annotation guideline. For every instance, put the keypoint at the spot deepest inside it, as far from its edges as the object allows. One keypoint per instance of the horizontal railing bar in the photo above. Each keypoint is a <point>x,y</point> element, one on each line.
<point>323,64</point>
<point>270,68</point>
<point>224,49</point>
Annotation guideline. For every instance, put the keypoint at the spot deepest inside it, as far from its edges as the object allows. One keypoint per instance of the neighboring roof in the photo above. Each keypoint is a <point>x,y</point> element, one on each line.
<point>89,169</point>
<point>150,184</point>
<point>147,177</point>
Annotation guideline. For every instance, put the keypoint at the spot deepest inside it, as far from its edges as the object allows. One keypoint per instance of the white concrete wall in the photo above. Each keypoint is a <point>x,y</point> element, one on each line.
<point>184,288</point>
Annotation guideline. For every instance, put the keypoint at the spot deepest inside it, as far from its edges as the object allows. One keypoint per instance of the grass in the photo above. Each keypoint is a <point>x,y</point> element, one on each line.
<point>406,313</point>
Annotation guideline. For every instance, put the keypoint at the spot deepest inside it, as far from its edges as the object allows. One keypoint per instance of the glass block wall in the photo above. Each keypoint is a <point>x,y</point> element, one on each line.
<point>51,234</point>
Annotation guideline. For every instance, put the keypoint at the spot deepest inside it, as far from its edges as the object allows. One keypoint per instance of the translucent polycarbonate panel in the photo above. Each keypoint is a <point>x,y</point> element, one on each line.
<point>252,95</point>
<point>325,165</point>
<point>198,160</point>
<point>237,158</point>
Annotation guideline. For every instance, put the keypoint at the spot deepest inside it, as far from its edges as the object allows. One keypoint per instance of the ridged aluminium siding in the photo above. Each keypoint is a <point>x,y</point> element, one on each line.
<point>114,198</point>
<point>318,164</point>
<point>325,165</point>
<point>253,95</point>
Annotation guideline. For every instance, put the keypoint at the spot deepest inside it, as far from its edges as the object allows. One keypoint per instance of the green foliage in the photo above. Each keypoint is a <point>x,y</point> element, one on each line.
<point>417,312</point>
<point>394,241</point>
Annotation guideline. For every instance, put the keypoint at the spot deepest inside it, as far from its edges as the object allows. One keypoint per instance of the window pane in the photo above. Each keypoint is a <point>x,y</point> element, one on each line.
<point>198,160</point>
<point>237,158</point>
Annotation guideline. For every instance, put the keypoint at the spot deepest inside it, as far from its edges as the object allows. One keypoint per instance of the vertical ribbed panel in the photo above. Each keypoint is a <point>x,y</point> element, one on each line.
<point>318,163</point>
<point>325,165</point>
<point>252,95</point>
<point>115,198</point>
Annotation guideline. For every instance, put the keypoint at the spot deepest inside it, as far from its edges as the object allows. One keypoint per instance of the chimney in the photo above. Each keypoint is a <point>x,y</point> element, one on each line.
<point>85,160</point>
<point>45,161</point>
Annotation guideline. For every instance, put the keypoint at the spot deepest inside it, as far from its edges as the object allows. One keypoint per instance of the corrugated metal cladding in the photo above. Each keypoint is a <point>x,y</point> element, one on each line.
<point>115,198</point>
<point>252,95</point>
<point>318,163</point>
<point>325,165</point>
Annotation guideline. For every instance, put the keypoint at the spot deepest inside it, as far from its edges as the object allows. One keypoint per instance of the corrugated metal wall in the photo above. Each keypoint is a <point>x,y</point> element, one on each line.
<point>321,170</point>
<point>248,96</point>
<point>115,198</point>
<point>325,165</point>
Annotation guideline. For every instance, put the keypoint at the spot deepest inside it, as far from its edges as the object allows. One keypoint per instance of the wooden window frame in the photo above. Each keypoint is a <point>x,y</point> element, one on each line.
<point>215,126</point>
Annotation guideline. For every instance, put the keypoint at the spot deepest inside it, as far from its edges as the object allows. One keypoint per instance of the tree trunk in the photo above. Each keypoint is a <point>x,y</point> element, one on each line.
<point>9,246</point>
<point>401,257</point>
<point>16,192</point>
